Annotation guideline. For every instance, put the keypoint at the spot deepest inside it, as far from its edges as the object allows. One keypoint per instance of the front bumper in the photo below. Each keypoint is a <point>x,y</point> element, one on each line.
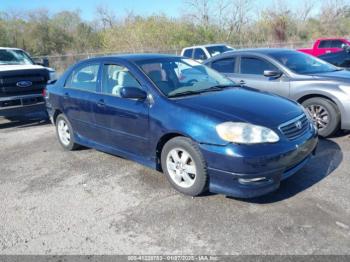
<point>247,171</point>
<point>20,105</point>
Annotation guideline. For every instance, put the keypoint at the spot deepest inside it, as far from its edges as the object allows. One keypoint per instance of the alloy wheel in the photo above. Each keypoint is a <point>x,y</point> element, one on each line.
<point>63,132</point>
<point>181,167</point>
<point>319,115</point>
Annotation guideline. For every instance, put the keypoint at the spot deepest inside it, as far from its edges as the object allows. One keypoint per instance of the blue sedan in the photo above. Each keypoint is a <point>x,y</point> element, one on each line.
<point>185,119</point>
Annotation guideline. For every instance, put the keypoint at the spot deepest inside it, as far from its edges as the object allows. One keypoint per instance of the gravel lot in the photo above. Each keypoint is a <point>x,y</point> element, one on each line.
<point>89,202</point>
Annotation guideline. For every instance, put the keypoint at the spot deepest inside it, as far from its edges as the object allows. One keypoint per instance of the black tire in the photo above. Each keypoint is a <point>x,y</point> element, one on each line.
<point>71,145</point>
<point>334,115</point>
<point>201,178</point>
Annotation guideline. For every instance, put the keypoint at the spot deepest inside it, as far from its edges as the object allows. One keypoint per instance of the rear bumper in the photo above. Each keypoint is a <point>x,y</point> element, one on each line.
<point>252,171</point>
<point>20,105</point>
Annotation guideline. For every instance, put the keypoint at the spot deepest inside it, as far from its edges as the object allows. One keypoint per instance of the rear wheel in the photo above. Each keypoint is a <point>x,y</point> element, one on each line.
<point>184,166</point>
<point>65,133</point>
<point>324,114</point>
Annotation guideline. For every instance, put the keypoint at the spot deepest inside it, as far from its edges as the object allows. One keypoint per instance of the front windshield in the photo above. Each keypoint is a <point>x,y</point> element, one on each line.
<point>178,76</point>
<point>14,57</point>
<point>218,49</point>
<point>301,63</point>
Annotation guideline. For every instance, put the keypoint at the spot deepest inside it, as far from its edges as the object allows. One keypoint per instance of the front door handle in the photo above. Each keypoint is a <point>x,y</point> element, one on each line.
<point>242,82</point>
<point>101,103</point>
<point>66,95</point>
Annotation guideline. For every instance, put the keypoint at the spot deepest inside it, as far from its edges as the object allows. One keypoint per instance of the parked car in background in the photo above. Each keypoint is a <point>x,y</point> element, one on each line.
<point>326,45</point>
<point>22,82</point>
<point>319,86</point>
<point>203,52</point>
<point>340,59</point>
<point>181,117</point>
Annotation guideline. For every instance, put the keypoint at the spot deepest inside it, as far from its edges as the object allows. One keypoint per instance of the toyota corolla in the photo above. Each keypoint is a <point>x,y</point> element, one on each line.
<point>184,119</point>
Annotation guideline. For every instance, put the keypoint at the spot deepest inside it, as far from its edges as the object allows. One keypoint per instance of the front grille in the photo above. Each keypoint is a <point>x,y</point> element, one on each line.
<point>295,128</point>
<point>9,80</point>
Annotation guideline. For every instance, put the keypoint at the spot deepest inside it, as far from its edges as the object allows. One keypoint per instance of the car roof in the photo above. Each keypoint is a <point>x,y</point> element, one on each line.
<point>331,38</point>
<point>258,51</point>
<point>133,57</point>
<point>9,48</point>
<point>207,45</point>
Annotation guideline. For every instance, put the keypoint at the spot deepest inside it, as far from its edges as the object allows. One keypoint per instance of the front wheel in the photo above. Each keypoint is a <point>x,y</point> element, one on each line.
<point>184,166</point>
<point>324,114</point>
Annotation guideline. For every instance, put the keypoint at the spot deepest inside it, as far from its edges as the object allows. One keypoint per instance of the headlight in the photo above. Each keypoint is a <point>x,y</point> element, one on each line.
<point>244,133</point>
<point>345,89</point>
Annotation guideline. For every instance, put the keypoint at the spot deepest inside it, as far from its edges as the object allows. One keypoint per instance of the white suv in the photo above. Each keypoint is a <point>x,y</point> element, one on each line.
<point>203,52</point>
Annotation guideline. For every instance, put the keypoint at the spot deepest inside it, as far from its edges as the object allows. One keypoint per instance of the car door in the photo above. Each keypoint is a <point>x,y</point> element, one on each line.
<point>123,123</point>
<point>251,74</point>
<point>78,98</point>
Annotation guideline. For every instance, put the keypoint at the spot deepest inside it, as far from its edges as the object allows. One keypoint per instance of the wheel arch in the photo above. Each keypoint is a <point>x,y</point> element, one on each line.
<point>309,96</point>
<point>56,113</point>
<point>160,144</point>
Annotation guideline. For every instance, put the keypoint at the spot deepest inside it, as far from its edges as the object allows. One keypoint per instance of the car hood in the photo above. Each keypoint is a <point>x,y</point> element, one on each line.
<point>241,104</point>
<point>341,76</point>
<point>19,67</point>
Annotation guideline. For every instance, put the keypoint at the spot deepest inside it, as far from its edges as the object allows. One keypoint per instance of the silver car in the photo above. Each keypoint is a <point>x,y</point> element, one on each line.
<point>323,89</point>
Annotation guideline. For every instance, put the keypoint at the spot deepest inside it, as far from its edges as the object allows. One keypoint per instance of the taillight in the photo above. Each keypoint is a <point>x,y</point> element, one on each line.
<point>44,92</point>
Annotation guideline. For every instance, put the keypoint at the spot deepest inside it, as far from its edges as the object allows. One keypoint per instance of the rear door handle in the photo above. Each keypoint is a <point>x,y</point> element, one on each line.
<point>66,95</point>
<point>101,103</point>
<point>242,82</point>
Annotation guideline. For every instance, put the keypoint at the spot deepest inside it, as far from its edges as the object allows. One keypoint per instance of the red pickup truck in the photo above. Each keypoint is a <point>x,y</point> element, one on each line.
<point>326,45</point>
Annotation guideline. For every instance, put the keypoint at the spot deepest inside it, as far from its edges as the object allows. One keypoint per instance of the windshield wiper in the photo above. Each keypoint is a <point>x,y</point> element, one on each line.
<point>217,88</point>
<point>210,89</point>
<point>185,93</point>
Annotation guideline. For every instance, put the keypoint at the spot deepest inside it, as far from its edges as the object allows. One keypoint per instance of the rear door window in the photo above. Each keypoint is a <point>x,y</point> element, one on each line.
<point>255,66</point>
<point>84,78</point>
<point>226,65</point>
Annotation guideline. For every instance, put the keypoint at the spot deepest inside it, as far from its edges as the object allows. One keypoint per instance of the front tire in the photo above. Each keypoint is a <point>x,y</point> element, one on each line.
<point>65,133</point>
<point>325,115</point>
<point>184,165</point>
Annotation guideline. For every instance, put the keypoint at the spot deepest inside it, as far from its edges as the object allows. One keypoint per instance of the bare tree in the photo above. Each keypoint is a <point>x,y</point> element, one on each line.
<point>199,11</point>
<point>106,17</point>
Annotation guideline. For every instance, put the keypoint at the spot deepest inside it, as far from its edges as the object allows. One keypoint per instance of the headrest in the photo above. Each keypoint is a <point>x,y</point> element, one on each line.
<point>126,79</point>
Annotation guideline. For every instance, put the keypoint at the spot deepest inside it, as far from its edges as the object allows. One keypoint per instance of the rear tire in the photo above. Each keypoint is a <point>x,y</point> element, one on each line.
<point>184,165</point>
<point>65,133</point>
<point>325,114</point>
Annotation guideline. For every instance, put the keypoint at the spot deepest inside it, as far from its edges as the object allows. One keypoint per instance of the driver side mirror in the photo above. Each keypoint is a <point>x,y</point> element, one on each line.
<point>133,93</point>
<point>272,73</point>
